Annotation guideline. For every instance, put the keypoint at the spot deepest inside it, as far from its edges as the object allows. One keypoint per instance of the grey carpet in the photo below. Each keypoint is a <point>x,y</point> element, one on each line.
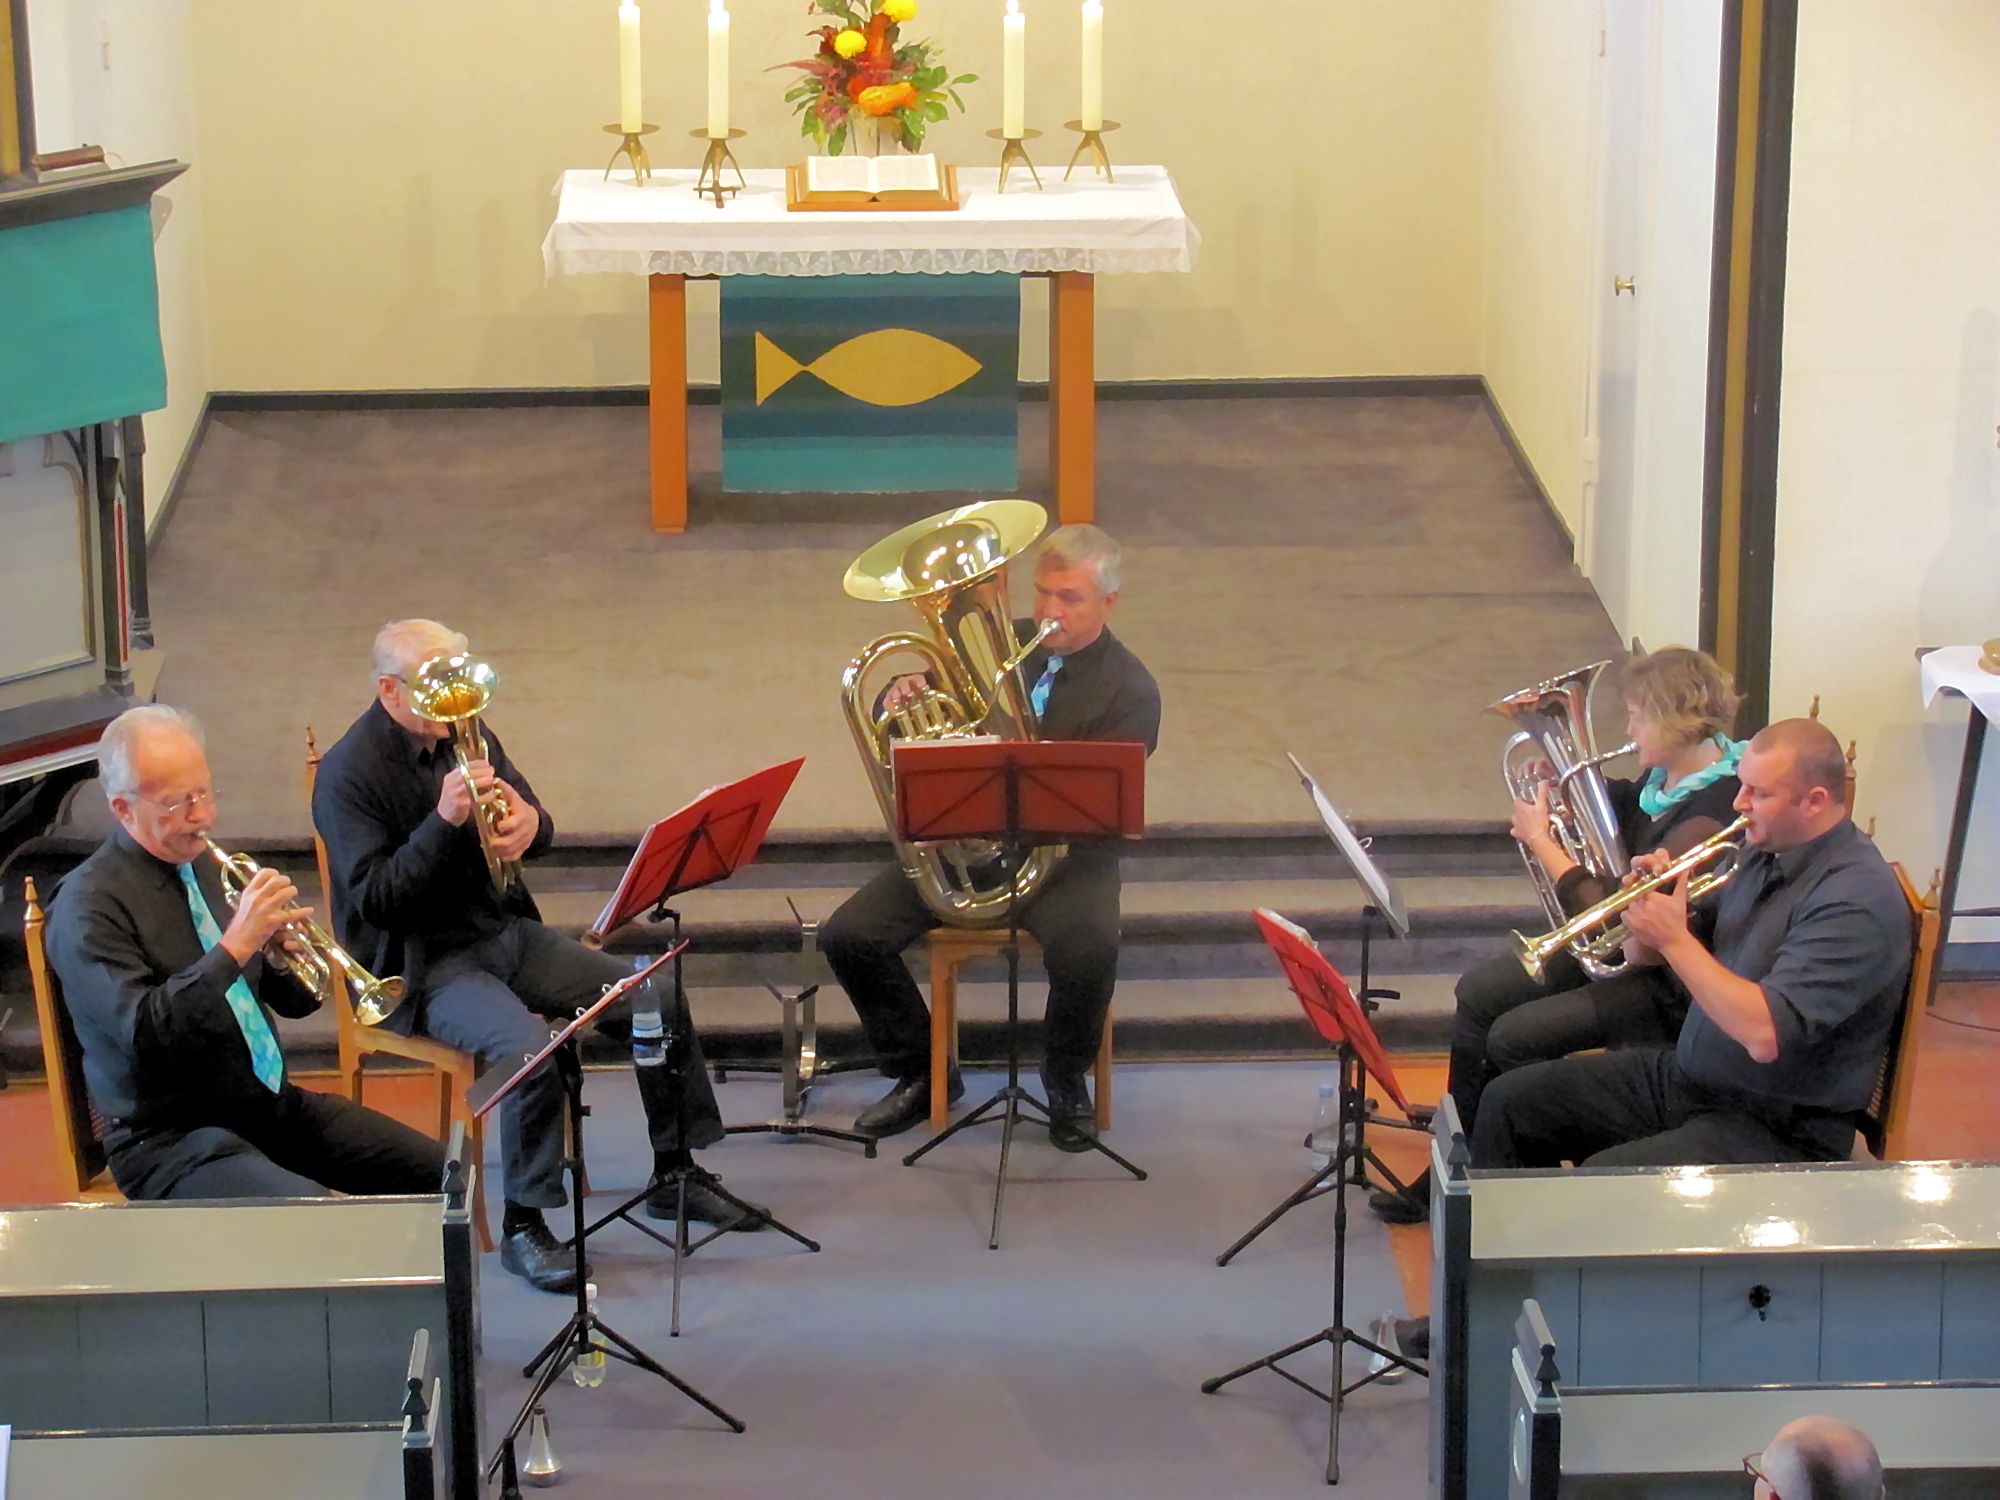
<point>1351,579</point>
<point>907,1359</point>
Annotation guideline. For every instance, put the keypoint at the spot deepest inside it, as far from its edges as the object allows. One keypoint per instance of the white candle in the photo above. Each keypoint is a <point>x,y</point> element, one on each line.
<point>1013,75</point>
<point>718,69</point>
<point>629,112</point>
<point>1093,65</point>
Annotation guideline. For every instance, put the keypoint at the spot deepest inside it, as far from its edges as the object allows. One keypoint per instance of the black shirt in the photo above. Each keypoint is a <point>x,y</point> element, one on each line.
<point>1103,692</point>
<point>161,1046</point>
<point>1825,930</point>
<point>1704,811</point>
<point>408,887</point>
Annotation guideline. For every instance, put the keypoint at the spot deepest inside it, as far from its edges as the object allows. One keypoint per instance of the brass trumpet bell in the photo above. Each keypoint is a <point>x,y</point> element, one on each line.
<point>455,689</point>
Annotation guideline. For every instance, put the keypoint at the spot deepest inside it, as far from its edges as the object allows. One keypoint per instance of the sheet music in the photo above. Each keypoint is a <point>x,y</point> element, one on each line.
<point>1387,897</point>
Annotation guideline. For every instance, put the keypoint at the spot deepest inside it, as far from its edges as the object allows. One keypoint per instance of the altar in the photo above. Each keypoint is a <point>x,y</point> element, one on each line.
<point>1071,232</point>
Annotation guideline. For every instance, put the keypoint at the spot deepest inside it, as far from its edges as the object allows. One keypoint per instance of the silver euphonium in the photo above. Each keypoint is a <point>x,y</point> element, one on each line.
<point>953,568</point>
<point>1555,745</point>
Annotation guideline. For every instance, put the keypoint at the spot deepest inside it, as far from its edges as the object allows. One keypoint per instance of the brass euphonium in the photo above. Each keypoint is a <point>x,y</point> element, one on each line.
<point>321,964</point>
<point>953,568</point>
<point>1557,746</point>
<point>454,690</point>
<point>1594,936</point>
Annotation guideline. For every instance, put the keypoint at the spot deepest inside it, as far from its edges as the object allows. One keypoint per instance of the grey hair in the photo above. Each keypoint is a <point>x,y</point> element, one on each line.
<point>115,751</point>
<point>402,646</point>
<point>1085,546</point>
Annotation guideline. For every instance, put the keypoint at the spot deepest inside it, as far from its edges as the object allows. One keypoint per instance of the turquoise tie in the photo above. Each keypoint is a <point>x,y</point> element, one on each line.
<point>1039,694</point>
<point>265,1058</point>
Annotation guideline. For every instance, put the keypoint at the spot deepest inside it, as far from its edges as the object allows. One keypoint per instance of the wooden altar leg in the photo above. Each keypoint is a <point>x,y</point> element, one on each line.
<point>1073,396</point>
<point>666,400</point>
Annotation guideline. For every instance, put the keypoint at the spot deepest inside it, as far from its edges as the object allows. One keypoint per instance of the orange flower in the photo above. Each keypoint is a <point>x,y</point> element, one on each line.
<point>886,98</point>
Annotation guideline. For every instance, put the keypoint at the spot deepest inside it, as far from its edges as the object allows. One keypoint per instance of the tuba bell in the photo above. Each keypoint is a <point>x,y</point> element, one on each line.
<point>1555,745</point>
<point>952,567</point>
<point>454,690</point>
<point>321,964</point>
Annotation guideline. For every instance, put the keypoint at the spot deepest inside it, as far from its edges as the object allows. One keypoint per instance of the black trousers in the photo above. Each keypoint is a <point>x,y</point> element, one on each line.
<point>1074,917</point>
<point>1637,1108</point>
<point>294,1144</point>
<point>490,999</point>
<point>1505,1020</point>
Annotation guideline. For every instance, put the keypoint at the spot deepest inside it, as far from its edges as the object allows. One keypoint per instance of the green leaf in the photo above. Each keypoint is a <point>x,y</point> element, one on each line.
<point>966,78</point>
<point>838,140</point>
<point>936,110</point>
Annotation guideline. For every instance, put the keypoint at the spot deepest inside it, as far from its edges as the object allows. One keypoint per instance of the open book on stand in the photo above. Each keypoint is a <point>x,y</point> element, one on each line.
<point>882,182</point>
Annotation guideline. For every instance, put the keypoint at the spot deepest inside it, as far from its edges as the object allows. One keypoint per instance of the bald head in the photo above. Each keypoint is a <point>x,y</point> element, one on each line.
<point>155,775</point>
<point>1819,1458</point>
<point>1811,754</point>
<point>1794,785</point>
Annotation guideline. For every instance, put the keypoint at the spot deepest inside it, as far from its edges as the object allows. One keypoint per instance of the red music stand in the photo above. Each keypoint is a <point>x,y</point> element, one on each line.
<point>1018,792</point>
<point>709,840</point>
<point>1337,1016</point>
<point>585,1329</point>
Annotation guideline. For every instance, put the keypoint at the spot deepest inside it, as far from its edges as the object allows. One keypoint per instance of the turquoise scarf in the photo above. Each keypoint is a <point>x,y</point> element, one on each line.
<point>1655,798</point>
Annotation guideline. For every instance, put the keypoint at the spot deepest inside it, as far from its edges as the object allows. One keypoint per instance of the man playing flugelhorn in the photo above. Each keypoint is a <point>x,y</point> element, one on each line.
<point>412,894</point>
<point>170,991</point>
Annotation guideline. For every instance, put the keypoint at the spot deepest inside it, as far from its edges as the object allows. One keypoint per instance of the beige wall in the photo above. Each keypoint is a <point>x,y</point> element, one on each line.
<point>378,175</point>
<point>1539,236</point>
<point>1888,481</point>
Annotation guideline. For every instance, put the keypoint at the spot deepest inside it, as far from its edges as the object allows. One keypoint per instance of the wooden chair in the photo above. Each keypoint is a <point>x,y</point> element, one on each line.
<point>950,949</point>
<point>1885,1123</point>
<point>1848,791</point>
<point>79,1128</point>
<point>455,1070</point>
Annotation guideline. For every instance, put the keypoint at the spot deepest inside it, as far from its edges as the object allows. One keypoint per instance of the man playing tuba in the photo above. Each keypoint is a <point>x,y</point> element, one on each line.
<point>1086,685</point>
<point>412,894</point>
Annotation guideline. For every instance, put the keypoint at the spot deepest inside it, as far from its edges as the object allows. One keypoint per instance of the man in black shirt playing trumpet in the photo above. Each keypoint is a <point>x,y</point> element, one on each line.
<point>170,991</point>
<point>413,894</point>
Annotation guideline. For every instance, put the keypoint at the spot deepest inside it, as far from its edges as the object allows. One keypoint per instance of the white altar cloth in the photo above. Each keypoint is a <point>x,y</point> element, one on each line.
<point>1957,667</point>
<point>1134,224</point>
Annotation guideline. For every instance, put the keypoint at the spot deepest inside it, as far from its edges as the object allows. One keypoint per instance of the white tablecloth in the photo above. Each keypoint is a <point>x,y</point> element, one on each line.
<point>1958,667</point>
<point>1134,224</point>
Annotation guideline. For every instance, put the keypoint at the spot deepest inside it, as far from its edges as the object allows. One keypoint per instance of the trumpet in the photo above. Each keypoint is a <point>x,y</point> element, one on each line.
<point>1596,936</point>
<point>455,690</point>
<point>321,964</point>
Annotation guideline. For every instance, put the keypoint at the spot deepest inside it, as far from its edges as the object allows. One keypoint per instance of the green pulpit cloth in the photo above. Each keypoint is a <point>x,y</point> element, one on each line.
<point>79,322</point>
<point>870,384</point>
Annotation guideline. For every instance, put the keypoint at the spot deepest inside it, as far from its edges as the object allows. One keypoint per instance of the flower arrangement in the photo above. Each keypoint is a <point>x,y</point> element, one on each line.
<point>864,71</point>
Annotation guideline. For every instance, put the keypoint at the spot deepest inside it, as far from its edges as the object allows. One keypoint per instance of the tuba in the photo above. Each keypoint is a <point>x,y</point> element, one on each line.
<point>1555,745</point>
<point>952,567</point>
<point>1598,935</point>
<point>455,690</point>
<point>323,966</point>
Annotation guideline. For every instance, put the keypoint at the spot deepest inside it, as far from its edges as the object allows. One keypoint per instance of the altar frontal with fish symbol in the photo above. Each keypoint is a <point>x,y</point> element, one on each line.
<point>870,384</point>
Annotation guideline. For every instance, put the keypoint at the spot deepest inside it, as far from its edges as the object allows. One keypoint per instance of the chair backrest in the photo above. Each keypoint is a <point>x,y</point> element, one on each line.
<point>1848,790</point>
<point>79,1128</point>
<point>1885,1123</point>
<point>347,1027</point>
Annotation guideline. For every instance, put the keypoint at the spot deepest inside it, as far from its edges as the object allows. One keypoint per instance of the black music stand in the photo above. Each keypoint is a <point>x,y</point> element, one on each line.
<point>1384,903</point>
<point>708,840</point>
<point>1335,1013</point>
<point>1018,792</point>
<point>585,1329</point>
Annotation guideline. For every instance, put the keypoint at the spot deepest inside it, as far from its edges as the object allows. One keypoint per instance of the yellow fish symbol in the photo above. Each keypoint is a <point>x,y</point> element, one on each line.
<point>889,367</point>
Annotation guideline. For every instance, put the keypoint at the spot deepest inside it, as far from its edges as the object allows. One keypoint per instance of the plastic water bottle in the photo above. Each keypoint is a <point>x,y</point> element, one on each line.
<point>649,1034</point>
<point>1323,1140</point>
<point>588,1371</point>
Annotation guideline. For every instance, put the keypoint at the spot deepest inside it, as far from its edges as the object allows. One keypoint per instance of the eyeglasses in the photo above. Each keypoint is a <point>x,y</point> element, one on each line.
<point>1750,1463</point>
<point>182,807</point>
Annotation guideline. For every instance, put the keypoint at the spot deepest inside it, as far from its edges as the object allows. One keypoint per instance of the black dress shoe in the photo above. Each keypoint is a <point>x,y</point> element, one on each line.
<point>908,1103</point>
<point>1412,1206</point>
<point>705,1206</point>
<point>536,1256</point>
<point>1072,1124</point>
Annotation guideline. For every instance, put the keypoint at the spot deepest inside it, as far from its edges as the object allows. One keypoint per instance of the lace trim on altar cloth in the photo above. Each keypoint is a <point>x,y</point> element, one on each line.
<point>871,261</point>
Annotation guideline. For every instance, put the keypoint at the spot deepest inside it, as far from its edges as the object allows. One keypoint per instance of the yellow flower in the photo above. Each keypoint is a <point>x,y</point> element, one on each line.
<point>900,11</point>
<point>850,43</point>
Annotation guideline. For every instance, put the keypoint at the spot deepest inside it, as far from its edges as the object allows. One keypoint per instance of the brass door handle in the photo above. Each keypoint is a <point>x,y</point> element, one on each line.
<point>1622,284</point>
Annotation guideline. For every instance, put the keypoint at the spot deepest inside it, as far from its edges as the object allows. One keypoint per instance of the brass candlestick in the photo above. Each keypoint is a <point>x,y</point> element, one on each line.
<point>709,183</point>
<point>634,149</point>
<point>1013,152</point>
<point>1093,142</point>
